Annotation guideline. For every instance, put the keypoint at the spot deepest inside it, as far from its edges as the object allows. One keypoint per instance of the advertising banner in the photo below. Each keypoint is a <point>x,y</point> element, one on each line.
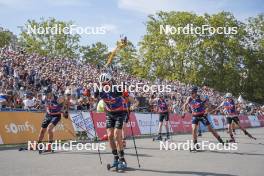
<point>21,127</point>
<point>147,123</point>
<point>254,121</point>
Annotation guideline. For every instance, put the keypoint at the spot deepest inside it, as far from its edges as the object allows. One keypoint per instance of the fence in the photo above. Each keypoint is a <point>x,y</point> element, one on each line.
<point>21,126</point>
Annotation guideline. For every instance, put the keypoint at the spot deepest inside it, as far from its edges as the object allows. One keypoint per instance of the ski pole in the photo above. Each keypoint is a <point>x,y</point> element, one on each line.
<point>133,138</point>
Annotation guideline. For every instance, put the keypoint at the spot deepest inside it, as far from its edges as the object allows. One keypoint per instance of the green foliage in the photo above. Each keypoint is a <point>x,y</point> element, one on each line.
<point>5,38</point>
<point>50,44</point>
<point>225,62</point>
<point>95,54</point>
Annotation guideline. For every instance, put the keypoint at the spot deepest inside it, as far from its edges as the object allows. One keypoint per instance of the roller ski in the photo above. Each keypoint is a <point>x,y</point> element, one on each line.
<point>114,165</point>
<point>117,165</point>
<point>167,137</point>
<point>195,148</point>
<point>230,141</point>
<point>122,165</point>
<point>46,150</point>
<point>249,135</point>
<point>159,138</point>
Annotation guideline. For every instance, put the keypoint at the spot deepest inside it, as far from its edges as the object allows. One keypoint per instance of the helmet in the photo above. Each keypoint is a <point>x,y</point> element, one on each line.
<point>194,89</point>
<point>228,95</point>
<point>105,77</point>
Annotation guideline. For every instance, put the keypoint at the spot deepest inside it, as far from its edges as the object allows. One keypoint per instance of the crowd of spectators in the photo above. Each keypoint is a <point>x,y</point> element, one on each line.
<point>25,79</point>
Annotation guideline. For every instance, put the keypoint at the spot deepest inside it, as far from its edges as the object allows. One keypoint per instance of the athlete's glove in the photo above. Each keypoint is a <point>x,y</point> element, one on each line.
<point>66,114</point>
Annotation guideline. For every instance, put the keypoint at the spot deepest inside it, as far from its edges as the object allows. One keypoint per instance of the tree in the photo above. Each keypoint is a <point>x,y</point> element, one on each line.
<point>230,62</point>
<point>95,54</point>
<point>50,39</point>
<point>253,63</point>
<point>5,38</point>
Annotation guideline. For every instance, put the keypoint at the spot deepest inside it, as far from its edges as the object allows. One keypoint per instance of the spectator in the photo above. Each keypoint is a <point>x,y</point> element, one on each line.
<point>29,102</point>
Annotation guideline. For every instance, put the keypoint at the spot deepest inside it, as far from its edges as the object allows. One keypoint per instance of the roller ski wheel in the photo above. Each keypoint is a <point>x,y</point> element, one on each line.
<point>114,165</point>
<point>45,151</point>
<point>22,149</point>
<point>159,138</point>
<point>195,149</point>
<point>230,141</point>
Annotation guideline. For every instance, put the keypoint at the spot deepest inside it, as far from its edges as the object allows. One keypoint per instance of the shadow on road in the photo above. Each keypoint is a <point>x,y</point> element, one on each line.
<point>238,153</point>
<point>93,153</point>
<point>179,172</point>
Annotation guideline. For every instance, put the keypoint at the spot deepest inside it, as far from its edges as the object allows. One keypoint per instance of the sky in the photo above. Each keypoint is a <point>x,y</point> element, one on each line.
<point>125,17</point>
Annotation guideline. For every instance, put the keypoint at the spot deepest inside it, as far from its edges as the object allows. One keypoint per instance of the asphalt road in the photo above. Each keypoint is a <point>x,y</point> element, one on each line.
<point>247,160</point>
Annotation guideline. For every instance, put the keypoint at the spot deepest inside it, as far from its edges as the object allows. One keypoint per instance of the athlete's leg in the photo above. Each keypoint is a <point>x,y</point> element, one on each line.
<point>194,133</point>
<point>160,127</point>
<point>230,131</point>
<point>111,140</point>
<point>110,125</point>
<point>161,118</point>
<point>50,132</point>
<point>44,125</point>
<point>233,127</point>
<point>210,129</point>
<point>199,129</point>
<point>112,143</point>
<point>124,135</point>
<point>41,134</point>
<point>230,128</point>
<point>216,135</point>
<point>236,120</point>
<point>123,131</point>
<point>54,121</point>
<point>206,122</point>
<point>166,123</point>
<point>118,137</point>
<point>195,122</point>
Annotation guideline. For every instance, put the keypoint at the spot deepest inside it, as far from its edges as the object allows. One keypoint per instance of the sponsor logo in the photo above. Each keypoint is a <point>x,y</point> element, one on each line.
<point>20,128</point>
